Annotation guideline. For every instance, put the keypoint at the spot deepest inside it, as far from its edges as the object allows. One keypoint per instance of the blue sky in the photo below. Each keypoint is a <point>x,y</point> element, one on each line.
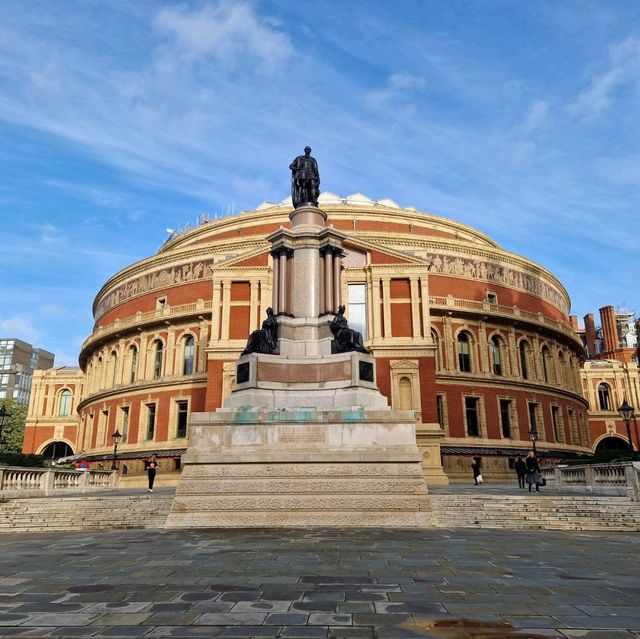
<point>121,119</point>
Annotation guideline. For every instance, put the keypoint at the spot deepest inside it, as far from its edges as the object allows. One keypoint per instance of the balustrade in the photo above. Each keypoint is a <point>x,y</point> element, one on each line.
<point>40,482</point>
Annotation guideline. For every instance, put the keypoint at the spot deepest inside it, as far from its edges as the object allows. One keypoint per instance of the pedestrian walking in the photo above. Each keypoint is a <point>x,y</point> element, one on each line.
<point>521,470</point>
<point>151,466</point>
<point>476,466</point>
<point>534,474</point>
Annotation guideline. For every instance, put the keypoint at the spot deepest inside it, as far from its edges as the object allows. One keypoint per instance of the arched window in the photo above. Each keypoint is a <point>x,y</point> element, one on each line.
<point>114,367</point>
<point>495,347</point>
<point>464,353</point>
<point>157,360</point>
<point>604,397</point>
<point>64,403</point>
<point>189,349</point>
<point>436,341</point>
<point>134,364</point>
<point>546,354</point>
<point>405,394</point>
<point>524,358</point>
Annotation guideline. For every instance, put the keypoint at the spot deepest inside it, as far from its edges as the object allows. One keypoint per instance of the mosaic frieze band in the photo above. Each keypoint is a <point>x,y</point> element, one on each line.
<point>175,275</point>
<point>493,272</point>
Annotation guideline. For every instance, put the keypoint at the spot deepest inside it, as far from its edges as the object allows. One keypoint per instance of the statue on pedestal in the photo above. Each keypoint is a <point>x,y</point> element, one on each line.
<point>345,338</point>
<point>305,180</point>
<point>265,339</point>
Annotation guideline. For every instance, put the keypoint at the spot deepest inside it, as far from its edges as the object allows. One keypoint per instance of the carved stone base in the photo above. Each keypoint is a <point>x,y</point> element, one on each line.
<point>301,468</point>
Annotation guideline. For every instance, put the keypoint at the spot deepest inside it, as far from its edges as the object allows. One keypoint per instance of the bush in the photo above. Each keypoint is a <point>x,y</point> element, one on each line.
<point>20,459</point>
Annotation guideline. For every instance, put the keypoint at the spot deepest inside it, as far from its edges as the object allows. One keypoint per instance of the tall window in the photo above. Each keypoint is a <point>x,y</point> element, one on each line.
<point>64,406</point>
<point>189,348</point>
<point>157,360</point>
<point>604,397</point>
<point>464,353</point>
<point>505,417</point>
<point>524,359</point>
<point>440,409</point>
<point>545,363</point>
<point>573,427</point>
<point>473,418</point>
<point>114,367</point>
<point>104,426</point>
<point>533,419</point>
<point>124,422</point>
<point>436,341</point>
<point>357,308</point>
<point>496,360</point>
<point>557,426</point>
<point>151,421</point>
<point>134,364</point>
<point>181,427</point>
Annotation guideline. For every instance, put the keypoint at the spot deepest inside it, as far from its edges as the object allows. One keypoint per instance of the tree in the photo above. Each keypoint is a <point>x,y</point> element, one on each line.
<point>13,429</point>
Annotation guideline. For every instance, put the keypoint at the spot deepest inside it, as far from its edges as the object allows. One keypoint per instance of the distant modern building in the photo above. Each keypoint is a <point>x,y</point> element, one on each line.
<point>476,340</point>
<point>18,361</point>
<point>610,375</point>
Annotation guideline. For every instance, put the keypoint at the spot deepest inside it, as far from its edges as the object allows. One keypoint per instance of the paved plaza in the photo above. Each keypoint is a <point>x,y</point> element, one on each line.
<point>443,583</point>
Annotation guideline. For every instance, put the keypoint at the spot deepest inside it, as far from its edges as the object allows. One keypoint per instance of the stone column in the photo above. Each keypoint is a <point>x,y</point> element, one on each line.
<point>226,310</point>
<point>276,303</point>
<point>386,306</point>
<point>283,306</point>
<point>328,280</point>
<point>426,316</point>
<point>215,312</point>
<point>375,311</point>
<point>253,306</point>
<point>337,256</point>
<point>415,308</point>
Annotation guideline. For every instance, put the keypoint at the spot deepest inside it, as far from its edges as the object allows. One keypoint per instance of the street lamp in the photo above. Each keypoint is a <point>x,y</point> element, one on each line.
<point>626,412</point>
<point>4,416</point>
<point>533,436</point>
<point>117,438</point>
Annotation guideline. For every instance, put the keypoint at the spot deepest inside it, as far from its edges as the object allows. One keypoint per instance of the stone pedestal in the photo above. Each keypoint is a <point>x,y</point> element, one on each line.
<point>301,468</point>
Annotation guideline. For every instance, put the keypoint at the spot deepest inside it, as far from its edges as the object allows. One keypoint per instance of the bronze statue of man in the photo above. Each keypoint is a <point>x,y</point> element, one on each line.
<point>305,180</point>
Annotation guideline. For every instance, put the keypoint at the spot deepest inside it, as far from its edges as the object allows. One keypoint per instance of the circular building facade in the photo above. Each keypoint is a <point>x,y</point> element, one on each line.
<point>476,340</point>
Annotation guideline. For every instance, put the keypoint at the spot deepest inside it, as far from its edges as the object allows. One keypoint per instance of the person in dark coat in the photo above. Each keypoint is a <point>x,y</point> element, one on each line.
<point>521,470</point>
<point>534,474</point>
<point>475,467</point>
<point>151,466</point>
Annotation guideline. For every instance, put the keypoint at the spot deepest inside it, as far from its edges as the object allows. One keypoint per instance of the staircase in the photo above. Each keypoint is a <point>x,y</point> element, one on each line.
<point>536,512</point>
<point>99,512</point>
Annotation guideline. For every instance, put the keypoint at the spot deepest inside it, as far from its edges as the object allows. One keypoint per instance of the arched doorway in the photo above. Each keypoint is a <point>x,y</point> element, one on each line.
<point>611,445</point>
<point>54,450</point>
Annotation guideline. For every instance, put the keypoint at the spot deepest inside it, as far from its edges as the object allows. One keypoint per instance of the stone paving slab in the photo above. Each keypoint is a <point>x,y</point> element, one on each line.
<point>381,584</point>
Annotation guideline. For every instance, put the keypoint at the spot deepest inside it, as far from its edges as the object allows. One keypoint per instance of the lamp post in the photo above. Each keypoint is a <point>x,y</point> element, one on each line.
<point>117,438</point>
<point>626,412</point>
<point>533,436</point>
<point>4,416</point>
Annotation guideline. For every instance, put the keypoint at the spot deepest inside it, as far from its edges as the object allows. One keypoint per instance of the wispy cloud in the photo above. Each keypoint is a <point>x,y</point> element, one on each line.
<point>20,327</point>
<point>623,69</point>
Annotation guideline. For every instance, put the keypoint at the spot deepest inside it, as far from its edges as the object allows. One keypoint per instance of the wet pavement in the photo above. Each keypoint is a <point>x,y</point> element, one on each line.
<point>446,583</point>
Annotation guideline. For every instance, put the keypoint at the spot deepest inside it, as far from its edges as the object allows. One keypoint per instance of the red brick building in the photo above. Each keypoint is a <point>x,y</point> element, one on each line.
<point>476,340</point>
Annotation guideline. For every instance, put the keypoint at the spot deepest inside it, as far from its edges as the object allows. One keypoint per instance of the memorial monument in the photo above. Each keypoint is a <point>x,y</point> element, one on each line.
<point>306,438</point>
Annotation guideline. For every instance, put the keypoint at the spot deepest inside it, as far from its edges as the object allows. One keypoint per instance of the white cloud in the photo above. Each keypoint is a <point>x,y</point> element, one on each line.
<point>537,115</point>
<point>398,93</point>
<point>228,31</point>
<point>624,68</point>
<point>21,328</point>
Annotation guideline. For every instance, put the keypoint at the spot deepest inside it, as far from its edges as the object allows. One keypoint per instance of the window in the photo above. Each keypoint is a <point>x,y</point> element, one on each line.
<point>557,425</point>
<point>64,405</point>
<point>104,427</point>
<point>114,368</point>
<point>573,427</point>
<point>604,397</point>
<point>189,348</point>
<point>357,311</point>
<point>134,363</point>
<point>464,355</point>
<point>473,420</point>
<point>505,417</point>
<point>436,341</point>
<point>124,423</point>
<point>161,302</point>
<point>440,409</point>
<point>157,360</point>
<point>533,419</point>
<point>524,359</point>
<point>151,421</point>
<point>492,298</point>
<point>181,426</point>
<point>545,363</point>
<point>494,347</point>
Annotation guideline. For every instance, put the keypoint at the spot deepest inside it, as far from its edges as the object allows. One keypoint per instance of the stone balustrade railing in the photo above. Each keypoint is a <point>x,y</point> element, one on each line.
<point>38,482</point>
<point>603,479</point>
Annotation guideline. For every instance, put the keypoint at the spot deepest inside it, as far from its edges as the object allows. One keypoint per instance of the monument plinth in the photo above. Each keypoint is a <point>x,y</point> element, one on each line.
<point>306,438</point>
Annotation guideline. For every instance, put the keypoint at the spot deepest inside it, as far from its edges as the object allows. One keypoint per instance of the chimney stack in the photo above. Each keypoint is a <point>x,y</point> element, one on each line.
<point>609,329</point>
<point>573,321</point>
<point>590,333</point>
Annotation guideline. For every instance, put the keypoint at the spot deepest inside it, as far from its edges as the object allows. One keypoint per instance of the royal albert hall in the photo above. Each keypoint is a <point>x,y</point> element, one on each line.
<point>475,339</point>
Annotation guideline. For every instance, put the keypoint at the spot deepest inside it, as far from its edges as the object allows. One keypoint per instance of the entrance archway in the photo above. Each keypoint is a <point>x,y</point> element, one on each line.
<point>54,450</point>
<point>612,444</point>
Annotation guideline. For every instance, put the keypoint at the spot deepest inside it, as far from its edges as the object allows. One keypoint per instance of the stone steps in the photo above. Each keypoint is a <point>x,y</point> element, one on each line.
<point>529,512</point>
<point>51,514</point>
